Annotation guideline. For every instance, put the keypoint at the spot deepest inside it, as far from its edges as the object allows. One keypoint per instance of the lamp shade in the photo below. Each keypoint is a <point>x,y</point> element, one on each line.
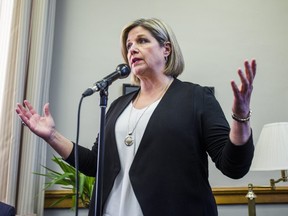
<point>271,151</point>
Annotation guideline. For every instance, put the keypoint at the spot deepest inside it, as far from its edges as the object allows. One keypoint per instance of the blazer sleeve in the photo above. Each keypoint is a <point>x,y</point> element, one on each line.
<point>87,159</point>
<point>233,161</point>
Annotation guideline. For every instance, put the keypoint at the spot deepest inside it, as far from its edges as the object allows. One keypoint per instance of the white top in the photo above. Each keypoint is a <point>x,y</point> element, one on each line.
<point>122,200</point>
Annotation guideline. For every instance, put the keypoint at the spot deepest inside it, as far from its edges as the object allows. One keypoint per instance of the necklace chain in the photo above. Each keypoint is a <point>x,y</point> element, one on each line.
<point>129,139</point>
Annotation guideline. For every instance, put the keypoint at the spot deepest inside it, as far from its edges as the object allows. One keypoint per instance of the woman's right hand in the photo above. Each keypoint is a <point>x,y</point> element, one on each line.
<point>42,126</point>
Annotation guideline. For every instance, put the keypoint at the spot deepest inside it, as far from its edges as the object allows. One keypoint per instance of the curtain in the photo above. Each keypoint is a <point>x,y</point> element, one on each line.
<point>26,75</point>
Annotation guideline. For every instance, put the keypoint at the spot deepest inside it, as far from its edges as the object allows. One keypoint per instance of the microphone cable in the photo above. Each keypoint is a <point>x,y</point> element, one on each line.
<point>76,159</point>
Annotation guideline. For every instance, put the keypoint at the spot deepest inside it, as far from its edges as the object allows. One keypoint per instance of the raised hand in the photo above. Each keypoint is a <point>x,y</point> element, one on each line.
<point>242,93</point>
<point>42,126</point>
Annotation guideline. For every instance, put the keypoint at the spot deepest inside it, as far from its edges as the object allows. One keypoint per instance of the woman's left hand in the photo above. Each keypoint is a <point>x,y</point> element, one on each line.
<point>242,93</point>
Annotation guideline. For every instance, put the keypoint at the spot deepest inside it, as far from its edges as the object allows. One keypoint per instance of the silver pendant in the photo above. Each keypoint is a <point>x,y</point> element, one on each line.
<point>128,140</point>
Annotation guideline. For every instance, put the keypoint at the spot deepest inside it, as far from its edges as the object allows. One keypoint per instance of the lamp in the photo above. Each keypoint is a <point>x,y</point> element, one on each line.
<point>271,153</point>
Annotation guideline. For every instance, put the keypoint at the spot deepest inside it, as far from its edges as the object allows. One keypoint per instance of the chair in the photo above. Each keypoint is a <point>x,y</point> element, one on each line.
<point>7,210</point>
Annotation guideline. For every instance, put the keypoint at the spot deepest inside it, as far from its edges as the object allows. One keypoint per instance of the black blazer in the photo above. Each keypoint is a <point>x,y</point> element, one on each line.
<point>169,174</point>
<point>7,210</point>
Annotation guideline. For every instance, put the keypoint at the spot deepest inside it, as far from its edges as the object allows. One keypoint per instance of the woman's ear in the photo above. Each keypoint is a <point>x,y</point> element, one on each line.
<point>167,48</point>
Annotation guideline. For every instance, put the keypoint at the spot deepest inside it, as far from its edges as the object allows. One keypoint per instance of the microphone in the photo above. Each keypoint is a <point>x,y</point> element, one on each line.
<point>122,71</point>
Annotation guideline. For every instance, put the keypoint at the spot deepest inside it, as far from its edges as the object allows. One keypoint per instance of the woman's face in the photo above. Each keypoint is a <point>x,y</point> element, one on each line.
<point>145,55</point>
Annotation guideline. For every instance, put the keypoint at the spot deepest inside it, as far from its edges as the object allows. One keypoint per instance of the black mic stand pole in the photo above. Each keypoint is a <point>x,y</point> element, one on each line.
<point>101,152</point>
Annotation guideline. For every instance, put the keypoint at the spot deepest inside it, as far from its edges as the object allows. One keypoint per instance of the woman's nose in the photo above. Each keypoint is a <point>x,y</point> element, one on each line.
<point>133,49</point>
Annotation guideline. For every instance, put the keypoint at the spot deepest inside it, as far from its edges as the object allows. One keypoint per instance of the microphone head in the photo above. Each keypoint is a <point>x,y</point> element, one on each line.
<point>124,70</point>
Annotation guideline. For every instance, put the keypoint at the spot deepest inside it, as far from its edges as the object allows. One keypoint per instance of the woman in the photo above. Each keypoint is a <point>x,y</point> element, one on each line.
<point>157,139</point>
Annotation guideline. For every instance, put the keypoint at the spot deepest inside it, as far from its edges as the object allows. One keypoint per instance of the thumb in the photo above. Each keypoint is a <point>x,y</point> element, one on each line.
<point>46,110</point>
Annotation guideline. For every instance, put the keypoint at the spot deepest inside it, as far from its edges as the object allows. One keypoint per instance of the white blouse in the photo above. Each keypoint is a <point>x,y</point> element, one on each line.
<point>122,200</point>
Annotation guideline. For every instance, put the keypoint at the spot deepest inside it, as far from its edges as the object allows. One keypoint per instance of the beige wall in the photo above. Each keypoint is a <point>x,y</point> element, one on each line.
<point>215,36</point>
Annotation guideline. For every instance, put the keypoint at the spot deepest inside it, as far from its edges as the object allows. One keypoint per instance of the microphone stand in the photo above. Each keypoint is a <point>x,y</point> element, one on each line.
<point>101,151</point>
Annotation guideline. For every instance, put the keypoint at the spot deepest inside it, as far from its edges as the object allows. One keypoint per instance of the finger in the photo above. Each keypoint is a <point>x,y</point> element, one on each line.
<point>254,67</point>
<point>24,119</point>
<point>235,89</point>
<point>248,71</point>
<point>30,107</point>
<point>21,110</point>
<point>244,80</point>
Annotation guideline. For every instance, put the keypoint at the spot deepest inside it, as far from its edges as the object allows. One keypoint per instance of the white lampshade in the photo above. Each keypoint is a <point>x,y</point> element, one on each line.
<point>271,151</point>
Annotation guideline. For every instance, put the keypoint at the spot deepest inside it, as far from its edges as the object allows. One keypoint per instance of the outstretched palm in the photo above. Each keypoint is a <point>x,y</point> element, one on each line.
<point>42,126</point>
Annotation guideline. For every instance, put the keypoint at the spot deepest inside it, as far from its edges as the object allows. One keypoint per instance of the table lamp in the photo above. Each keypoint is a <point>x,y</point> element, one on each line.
<point>271,153</point>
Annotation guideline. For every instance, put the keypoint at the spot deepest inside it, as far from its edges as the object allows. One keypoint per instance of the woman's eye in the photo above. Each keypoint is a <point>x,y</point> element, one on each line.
<point>142,40</point>
<point>139,41</point>
<point>128,46</point>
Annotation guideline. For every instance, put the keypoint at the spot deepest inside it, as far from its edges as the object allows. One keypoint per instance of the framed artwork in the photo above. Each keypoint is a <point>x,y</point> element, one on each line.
<point>212,89</point>
<point>127,88</point>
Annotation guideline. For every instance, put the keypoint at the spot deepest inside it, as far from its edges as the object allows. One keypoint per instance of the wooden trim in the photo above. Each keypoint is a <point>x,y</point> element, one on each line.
<point>53,195</point>
<point>223,196</point>
<point>236,195</point>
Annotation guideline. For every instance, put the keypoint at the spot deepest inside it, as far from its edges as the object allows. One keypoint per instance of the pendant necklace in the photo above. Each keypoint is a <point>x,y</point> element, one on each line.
<point>129,138</point>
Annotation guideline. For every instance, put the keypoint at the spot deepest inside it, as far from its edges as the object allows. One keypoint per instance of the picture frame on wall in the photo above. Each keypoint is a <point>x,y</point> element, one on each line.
<point>127,88</point>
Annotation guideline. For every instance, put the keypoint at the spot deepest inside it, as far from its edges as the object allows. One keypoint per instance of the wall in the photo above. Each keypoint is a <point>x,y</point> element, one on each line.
<point>215,37</point>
